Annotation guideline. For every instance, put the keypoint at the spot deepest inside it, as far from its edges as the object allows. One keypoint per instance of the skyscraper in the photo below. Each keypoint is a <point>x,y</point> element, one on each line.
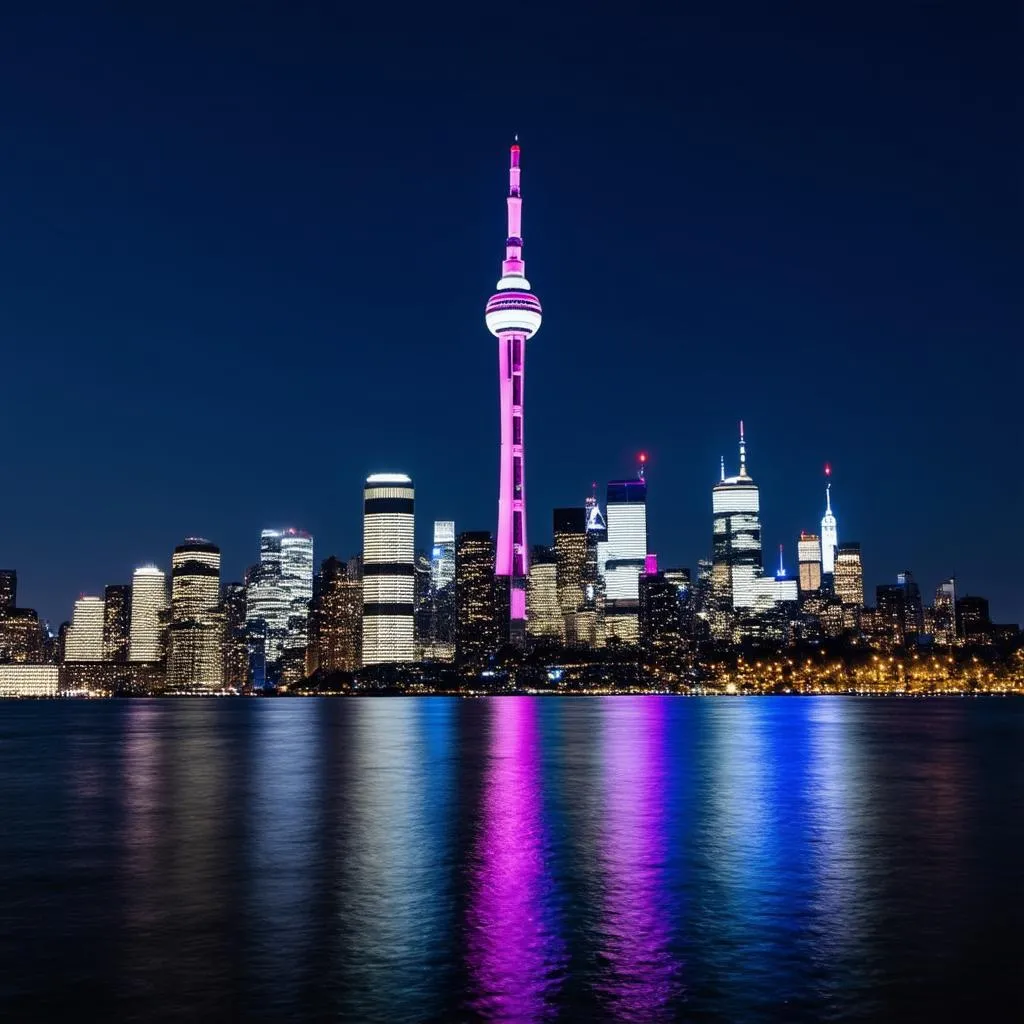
<point>848,575</point>
<point>234,645</point>
<point>545,619</point>
<point>829,533</point>
<point>944,613</point>
<point>149,599</point>
<point>441,645</point>
<point>570,533</point>
<point>737,560</point>
<point>476,621</point>
<point>297,582</point>
<point>194,659</point>
<point>336,618</point>
<point>85,635</point>
<point>388,569</point>
<point>117,605</point>
<point>809,563</point>
<point>513,314</point>
<point>625,557</point>
<point>8,589</point>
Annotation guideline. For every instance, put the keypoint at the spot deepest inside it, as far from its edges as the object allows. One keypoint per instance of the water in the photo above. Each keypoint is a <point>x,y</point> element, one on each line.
<point>629,858</point>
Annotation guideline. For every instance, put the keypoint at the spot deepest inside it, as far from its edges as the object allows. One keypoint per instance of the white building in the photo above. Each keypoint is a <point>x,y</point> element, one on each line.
<point>626,548</point>
<point>737,560</point>
<point>149,601</point>
<point>85,636</point>
<point>29,680</point>
<point>829,532</point>
<point>388,568</point>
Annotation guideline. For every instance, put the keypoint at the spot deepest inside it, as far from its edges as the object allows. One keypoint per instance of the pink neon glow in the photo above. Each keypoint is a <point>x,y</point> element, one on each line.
<point>651,565</point>
<point>515,953</point>
<point>643,977</point>
<point>511,558</point>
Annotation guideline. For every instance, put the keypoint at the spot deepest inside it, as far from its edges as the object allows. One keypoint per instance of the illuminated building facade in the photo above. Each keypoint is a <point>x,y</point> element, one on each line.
<point>117,614</point>
<point>441,639</point>
<point>660,620</point>
<point>148,604</point>
<point>737,559</point>
<point>194,661</point>
<point>944,613</point>
<point>336,618</point>
<point>848,576</point>
<point>388,569</point>
<point>85,637</point>
<point>477,633</point>
<point>234,643</point>
<point>809,563</point>
<point>545,621</point>
<point>570,534</point>
<point>8,589</point>
<point>829,530</point>
<point>23,680</point>
<point>21,637</point>
<point>624,557</point>
<point>513,314</point>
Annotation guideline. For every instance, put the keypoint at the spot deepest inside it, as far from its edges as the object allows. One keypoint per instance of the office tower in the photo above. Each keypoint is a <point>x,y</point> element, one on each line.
<point>944,613</point>
<point>194,659</point>
<point>477,633</point>
<point>848,575</point>
<point>442,593</point>
<point>336,618</point>
<point>899,615</point>
<point>545,621</point>
<point>660,619</point>
<point>22,639</point>
<point>570,534</point>
<point>513,314</point>
<point>421,618</point>
<point>266,611</point>
<point>8,589</point>
<point>974,622</point>
<point>388,569</point>
<point>234,644</point>
<point>809,563</point>
<point>149,599</point>
<point>914,609</point>
<point>737,563</point>
<point>624,556</point>
<point>297,582</point>
<point>85,636</point>
<point>829,532</point>
<point>117,617</point>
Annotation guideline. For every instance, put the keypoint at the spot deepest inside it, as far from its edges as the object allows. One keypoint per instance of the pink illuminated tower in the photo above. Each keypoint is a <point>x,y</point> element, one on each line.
<point>513,314</point>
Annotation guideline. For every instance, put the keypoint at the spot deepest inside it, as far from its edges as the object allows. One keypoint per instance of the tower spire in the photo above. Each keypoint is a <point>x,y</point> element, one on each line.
<point>782,568</point>
<point>743,452</point>
<point>723,469</point>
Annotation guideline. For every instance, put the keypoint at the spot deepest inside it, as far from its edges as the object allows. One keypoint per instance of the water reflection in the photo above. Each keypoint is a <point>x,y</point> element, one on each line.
<point>641,976</point>
<point>516,956</point>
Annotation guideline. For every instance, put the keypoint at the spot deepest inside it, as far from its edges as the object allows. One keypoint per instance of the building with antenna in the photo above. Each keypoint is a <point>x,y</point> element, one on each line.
<point>829,532</point>
<point>736,538</point>
<point>513,314</point>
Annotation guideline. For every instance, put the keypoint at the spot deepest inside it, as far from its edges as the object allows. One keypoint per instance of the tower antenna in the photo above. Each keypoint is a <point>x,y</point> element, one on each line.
<point>743,452</point>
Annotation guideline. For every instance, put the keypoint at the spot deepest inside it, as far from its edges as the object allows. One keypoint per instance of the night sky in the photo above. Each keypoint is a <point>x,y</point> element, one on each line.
<point>245,253</point>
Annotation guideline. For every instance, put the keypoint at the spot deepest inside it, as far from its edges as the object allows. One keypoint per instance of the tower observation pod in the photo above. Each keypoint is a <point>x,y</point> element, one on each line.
<point>513,314</point>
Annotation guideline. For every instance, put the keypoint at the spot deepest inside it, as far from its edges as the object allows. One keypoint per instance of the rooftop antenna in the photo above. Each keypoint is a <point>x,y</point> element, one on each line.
<point>743,452</point>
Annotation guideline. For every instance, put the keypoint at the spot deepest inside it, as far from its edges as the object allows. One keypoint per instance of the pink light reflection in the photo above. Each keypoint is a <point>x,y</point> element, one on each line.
<point>643,976</point>
<point>515,955</point>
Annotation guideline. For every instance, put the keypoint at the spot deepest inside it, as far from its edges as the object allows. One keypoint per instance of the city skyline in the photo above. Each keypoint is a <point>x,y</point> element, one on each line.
<point>846,296</point>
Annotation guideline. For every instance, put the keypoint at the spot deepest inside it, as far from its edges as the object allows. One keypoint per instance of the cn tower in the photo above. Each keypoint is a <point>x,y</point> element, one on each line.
<point>513,314</point>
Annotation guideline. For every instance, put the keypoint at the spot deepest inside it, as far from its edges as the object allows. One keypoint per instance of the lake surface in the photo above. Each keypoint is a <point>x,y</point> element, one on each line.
<point>434,859</point>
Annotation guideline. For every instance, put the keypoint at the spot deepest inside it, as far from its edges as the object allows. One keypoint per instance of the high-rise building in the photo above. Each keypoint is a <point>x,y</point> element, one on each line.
<point>149,600</point>
<point>570,533</point>
<point>829,531</point>
<point>388,569</point>
<point>297,581</point>
<point>974,621</point>
<point>512,315</point>
<point>737,559</point>
<point>899,615</point>
<point>85,636</point>
<point>234,645</point>
<point>848,575</point>
<point>477,632</point>
<point>944,613</point>
<point>545,621</point>
<point>660,619</point>
<point>336,618</point>
<point>809,563</point>
<point>22,638</point>
<point>117,617</point>
<point>196,634</point>
<point>8,589</point>
<point>441,646</point>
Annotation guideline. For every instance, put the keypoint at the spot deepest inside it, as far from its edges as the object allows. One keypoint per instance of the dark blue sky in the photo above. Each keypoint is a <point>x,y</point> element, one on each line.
<point>245,254</point>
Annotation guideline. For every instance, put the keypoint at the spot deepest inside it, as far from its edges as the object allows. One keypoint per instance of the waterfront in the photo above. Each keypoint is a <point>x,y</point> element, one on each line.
<point>627,858</point>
